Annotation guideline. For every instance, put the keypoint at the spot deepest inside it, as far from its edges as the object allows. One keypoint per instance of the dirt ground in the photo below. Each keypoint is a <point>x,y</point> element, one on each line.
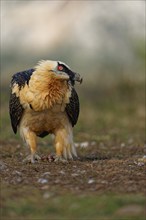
<point>99,169</point>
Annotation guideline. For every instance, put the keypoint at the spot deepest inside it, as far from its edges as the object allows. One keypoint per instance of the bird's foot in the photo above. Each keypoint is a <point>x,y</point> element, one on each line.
<point>59,159</point>
<point>32,158</point>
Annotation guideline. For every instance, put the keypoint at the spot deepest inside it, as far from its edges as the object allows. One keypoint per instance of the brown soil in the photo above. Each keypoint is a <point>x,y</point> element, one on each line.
<point>99,169</point>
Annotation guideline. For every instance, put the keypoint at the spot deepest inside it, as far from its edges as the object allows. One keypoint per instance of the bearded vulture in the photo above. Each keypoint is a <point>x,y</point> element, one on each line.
<point>43,101</point>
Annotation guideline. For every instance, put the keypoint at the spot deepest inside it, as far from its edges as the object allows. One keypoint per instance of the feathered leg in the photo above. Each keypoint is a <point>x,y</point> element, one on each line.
<point>30,139</point>
<point>64,145</point>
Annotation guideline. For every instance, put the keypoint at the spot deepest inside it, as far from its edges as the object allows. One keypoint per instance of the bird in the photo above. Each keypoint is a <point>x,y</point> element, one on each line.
<point>43,101</point>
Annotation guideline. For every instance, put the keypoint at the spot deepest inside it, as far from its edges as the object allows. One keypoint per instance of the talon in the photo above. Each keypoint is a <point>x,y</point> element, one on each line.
<point>32,158</point>
<point>60,159</point>
<point>69,154</point>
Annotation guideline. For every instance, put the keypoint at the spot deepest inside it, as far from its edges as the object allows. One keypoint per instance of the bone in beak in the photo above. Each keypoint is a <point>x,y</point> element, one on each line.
<point>78,78</point>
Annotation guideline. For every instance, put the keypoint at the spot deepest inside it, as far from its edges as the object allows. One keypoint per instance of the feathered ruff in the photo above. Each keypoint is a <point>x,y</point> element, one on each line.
<point>44,89</point>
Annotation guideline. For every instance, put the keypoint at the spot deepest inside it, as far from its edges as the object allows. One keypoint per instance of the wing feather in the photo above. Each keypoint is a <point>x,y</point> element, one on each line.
<point>73,107</point>
<point>16,111</point>
<point>15,107</point>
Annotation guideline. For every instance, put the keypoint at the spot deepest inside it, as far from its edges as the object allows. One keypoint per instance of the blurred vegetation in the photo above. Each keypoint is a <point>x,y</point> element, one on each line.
<point>71,206</point>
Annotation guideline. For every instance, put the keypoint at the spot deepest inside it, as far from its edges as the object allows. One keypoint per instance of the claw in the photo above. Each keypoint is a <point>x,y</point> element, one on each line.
<point>74,151</point>
<point>32,158</point>
<point>60,159</point>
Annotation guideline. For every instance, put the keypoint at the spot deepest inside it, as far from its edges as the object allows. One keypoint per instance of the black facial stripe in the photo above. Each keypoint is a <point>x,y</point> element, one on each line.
<point>68,71</point>
<point>65,69</point>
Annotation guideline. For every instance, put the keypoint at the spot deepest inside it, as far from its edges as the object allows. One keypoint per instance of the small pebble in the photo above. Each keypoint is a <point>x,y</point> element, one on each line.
<point>123,144</point>
<point>143,159</point>
<point>104,182</point>
<point>140,164</point>
<point>74,174</point>
<point>57,181</point>
<point>46,174</point>
<point>83,171</point>
<point>84,144</point>
<point>47,195</point>
<point>95,161</point>
<point>76,144</point>
<point>62,172</point>
<point>90,181</point>
<point>15,172</point>
<point>2,165</point>
<point>19,179</point>
<point>42,181</point>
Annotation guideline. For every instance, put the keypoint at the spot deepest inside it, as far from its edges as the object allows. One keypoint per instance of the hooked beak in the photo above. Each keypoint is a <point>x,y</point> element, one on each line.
<point>78,78</point>
<point>61,76</point>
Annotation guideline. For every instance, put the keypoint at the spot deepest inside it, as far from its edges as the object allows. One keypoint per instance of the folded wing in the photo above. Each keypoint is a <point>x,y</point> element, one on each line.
<point>15,107</point>
<point>73,107</point>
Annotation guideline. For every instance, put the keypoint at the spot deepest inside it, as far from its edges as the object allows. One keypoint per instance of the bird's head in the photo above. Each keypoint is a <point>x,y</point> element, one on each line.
<point>59,70</point>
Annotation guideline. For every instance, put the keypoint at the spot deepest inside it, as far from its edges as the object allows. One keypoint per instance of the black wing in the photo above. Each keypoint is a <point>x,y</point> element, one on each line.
<point>16,111</point>
<point>22,78</point>
<point>73,107</point>
<point>15,108</point>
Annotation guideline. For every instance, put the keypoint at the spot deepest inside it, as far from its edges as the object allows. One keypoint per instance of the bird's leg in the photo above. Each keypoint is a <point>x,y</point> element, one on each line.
<point>30,139</point>
<point>64,145</point>
<point>59,153</point>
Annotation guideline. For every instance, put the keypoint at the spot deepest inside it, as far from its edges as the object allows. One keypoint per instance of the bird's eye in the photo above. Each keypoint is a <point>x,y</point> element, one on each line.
<point>60,68</point>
